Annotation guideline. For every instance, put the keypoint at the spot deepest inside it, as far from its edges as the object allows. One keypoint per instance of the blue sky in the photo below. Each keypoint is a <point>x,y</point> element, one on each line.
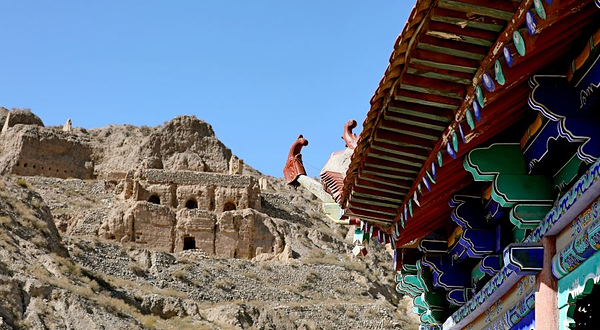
<point>260,72</point>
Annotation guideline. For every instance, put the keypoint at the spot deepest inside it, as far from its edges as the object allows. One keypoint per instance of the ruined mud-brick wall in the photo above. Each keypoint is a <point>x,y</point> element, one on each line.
<point>211,191</point>
<point>41,151</point>
<point>217,212</point>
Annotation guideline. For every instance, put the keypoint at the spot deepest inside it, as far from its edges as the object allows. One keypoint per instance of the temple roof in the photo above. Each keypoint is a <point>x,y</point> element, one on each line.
<point>456,78</point>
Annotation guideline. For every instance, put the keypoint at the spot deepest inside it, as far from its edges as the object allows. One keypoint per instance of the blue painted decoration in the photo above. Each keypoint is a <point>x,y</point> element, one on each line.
<point>477,111</point>
<point>583,246</point>
<point>462,134</point>
<point>467,212</point>
<point>433,244</point>
<point>491,264</point>
<point>480,242</point>
<point>498,73</point>
<point>571,114</point>
<point>405,213</point>
<point>526,323</point>
<point>488,82</point>
<point>426,182</point>
<point>507,56</point>
<point>530,21</point>
<point>458,253</point>
<point>459,297</point>
<point>433,171</point>
<point>524,258</point>
<point>493,210</point>
<point>445,274</point>
<point>450,151</point>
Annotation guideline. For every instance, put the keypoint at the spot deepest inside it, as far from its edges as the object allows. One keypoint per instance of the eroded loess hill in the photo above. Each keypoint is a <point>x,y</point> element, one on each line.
<point>57,270</point>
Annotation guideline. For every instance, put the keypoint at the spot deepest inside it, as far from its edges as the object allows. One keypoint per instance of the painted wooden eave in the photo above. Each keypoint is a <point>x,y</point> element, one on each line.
<point>427,90</point>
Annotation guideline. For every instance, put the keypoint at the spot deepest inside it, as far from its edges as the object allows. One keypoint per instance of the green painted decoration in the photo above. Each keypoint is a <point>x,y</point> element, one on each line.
<point>479,95</point>
<point>519,43</point>
<point>503,164</point>
<point>455,141</point>
<point>499,74</point>
<point>567,173</point>
<point>486,163</point>
<point>528,216</point>
<point>470,120</point>
<point>519,235</point>
<point>477,275</point>
<point>539,8</point>
<point>430,177</point>
<point>439,158</point>
<point>410,207</point>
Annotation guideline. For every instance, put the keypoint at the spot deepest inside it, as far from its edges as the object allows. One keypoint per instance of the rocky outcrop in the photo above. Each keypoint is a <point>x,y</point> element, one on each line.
<point>184,143</point>
<point>20,116</point>
<point>37,151</point>
<point>248,252</point>
<point>3,114</point>
<point>246,234</point>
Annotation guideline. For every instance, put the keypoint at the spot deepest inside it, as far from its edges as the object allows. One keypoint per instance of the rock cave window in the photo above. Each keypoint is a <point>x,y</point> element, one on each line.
<point>189,243</point>
<point>191,204</point>
<point>154,199</point>
<point>229,206</point>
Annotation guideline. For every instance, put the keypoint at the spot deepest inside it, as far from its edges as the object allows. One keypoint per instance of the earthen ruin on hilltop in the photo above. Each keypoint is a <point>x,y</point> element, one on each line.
<point>173,196</point>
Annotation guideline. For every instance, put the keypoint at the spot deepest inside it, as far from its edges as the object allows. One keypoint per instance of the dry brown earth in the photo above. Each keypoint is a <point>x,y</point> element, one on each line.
<point>57,273</point>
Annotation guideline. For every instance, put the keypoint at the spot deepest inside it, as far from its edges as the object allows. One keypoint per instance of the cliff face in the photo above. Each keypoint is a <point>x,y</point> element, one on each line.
<point>184,143</point>
<point>73,252</point>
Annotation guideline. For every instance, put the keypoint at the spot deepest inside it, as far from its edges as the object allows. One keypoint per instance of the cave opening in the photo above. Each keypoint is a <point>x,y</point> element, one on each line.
<point>191,204</point>
<point>154,199</point>
<point>229,206</point>
<point>189,243</point>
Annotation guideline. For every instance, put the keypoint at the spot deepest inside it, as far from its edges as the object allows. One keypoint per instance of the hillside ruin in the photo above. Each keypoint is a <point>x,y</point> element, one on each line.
<point>164,228</point>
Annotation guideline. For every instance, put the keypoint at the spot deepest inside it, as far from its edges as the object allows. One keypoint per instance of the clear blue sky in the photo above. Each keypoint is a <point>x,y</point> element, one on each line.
<point>260,72</point>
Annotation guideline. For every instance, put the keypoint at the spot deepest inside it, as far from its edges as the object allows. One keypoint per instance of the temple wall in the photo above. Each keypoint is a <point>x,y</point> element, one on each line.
<point>215,213</point>
<point>34,152</point>
<point>153,226</point>
<point>198,224</point>
<point>243,234</point>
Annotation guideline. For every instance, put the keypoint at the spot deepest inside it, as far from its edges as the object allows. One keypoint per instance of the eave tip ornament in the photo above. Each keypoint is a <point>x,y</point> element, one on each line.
<point>293,166</point>
<point>350,138</point>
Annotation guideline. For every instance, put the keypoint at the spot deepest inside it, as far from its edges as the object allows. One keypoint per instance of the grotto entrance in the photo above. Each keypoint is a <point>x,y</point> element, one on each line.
<point>189,243</point>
